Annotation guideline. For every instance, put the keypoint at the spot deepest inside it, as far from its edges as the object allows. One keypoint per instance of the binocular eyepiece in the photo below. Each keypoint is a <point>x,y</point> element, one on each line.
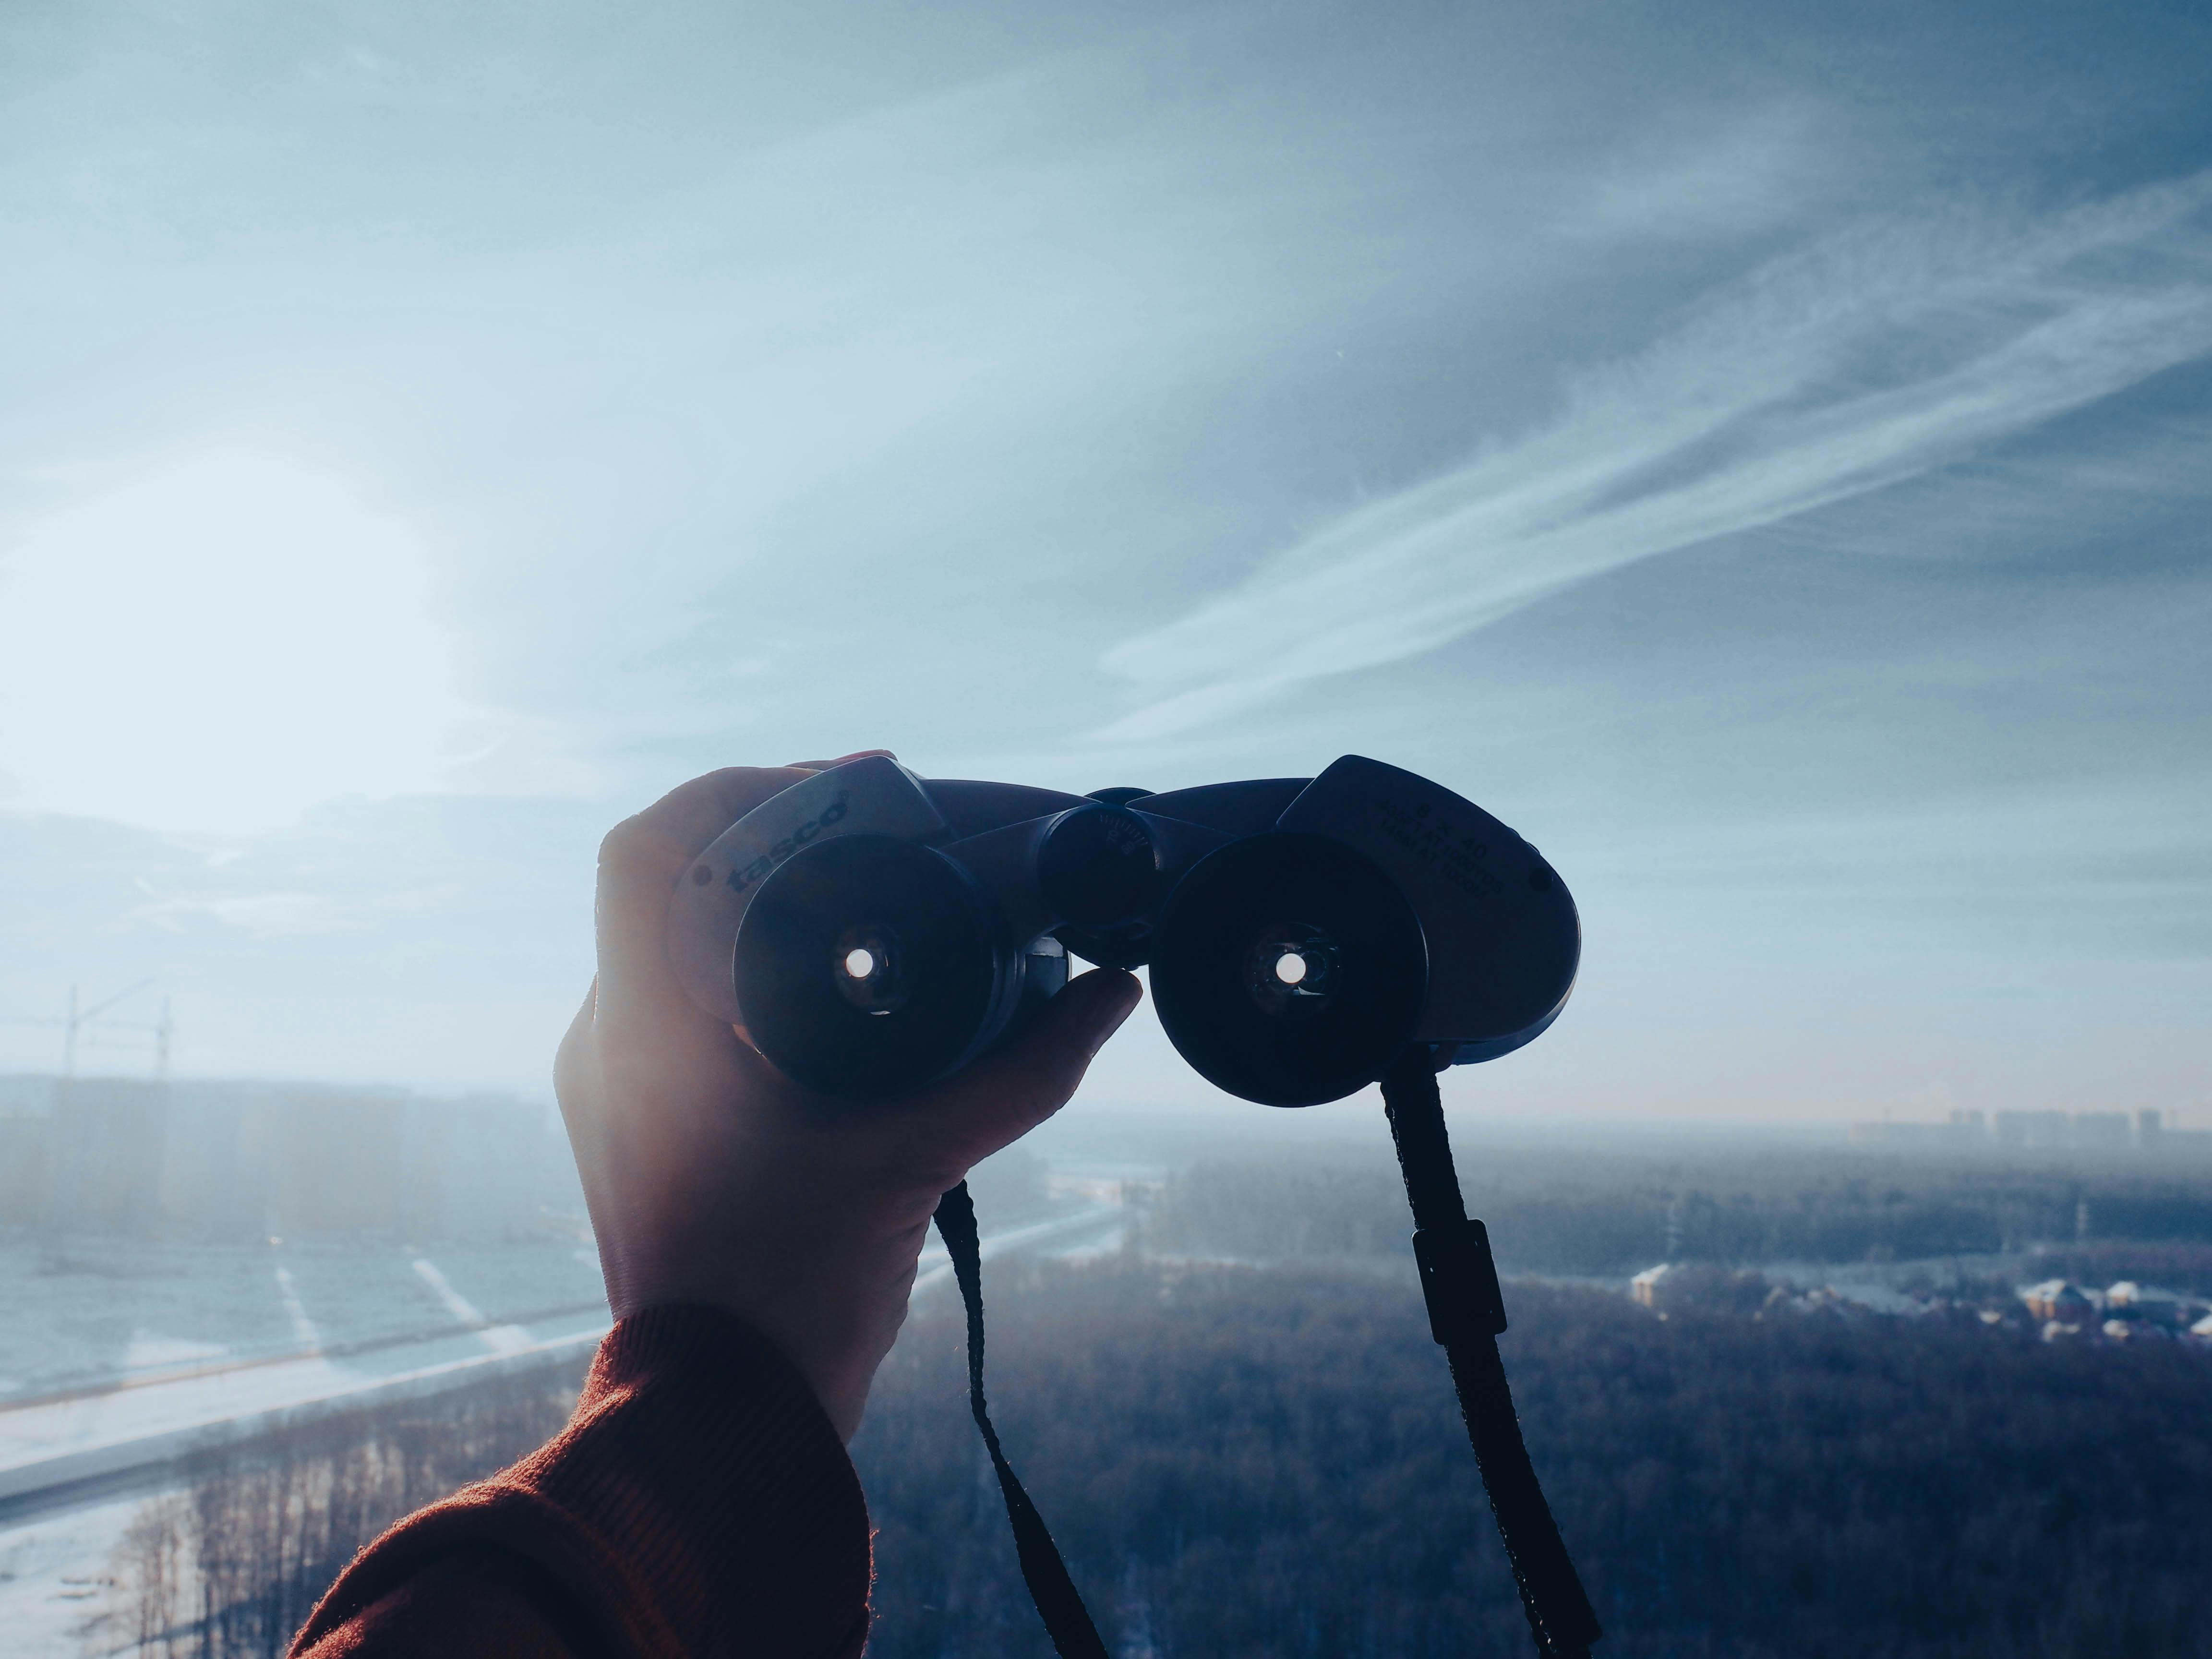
<point>873,932</point>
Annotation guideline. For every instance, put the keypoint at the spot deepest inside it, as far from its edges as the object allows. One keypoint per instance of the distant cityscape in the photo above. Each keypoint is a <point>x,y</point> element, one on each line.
<point>2147,1132</point>
<point>238,1161</point>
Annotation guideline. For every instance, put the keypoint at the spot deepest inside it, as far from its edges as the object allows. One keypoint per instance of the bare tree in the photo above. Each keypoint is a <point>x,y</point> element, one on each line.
<point>230,1565</point>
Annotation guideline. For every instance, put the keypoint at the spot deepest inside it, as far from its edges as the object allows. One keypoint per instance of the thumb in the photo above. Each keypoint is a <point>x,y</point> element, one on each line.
<point>1000,1098</point>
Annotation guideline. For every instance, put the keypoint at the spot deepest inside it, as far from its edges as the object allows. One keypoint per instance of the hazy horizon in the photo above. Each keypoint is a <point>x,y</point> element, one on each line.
<point>1764,458</point>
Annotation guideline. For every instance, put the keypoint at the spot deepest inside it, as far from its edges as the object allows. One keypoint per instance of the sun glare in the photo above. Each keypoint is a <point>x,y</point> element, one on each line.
<point>217,646</point>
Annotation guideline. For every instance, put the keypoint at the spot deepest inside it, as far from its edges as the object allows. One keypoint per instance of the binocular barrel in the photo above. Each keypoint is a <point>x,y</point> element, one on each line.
<point>868,965</point>
<point>873,933</point>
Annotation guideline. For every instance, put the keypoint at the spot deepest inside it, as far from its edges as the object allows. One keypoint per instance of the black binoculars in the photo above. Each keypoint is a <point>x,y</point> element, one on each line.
<point>871,931</point>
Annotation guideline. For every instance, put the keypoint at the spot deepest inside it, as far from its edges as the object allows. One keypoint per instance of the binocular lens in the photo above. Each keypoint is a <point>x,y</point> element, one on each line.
<point>1293,970</point>
<point>1288,969</point>
<point>866,965</point>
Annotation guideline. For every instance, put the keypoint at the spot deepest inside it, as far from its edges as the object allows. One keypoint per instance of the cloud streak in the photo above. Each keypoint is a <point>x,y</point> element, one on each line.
<point>285,914</point>
<point>1876,357</point>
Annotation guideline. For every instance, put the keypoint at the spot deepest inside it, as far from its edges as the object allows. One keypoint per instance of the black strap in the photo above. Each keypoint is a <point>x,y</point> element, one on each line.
<point>1067,1620</point>
<point>1466,1315</point>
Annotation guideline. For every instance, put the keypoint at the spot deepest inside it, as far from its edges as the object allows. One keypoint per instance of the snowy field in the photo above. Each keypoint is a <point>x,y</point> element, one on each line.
<point>118,1355</point>
<point>115,1353</point>
<point>55,1576</point>
<point>91,1313</point>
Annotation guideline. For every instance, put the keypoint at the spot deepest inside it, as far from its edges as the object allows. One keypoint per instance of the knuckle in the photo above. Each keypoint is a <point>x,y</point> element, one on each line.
<point>623,844</point>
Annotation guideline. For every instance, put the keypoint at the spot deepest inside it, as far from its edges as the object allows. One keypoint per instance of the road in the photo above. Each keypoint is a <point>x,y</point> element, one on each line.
<point>75,1470</point>
<point>99,1441</point>
<point>59,1451</point>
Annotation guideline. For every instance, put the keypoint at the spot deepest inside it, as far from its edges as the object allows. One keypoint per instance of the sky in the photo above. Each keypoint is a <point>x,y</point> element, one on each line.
<point>1766,459</point>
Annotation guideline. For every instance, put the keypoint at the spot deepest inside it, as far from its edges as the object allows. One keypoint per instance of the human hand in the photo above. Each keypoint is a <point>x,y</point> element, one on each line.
<point>713,1178</point>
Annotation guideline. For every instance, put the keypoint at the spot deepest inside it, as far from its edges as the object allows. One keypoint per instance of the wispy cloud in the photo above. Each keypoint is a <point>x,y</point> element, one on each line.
<point>1879,355</point>
<point>290,915</point>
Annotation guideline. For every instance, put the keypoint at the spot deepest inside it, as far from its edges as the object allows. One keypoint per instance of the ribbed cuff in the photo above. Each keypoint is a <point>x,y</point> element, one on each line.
<point>700,1454</point>
<point>698,1503</point>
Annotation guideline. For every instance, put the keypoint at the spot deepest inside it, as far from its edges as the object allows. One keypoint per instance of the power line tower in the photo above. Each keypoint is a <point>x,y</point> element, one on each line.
<point>80,1020</point>
<point>81,1026</point>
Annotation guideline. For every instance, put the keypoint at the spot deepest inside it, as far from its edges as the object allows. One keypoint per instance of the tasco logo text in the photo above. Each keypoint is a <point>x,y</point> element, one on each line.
<point>745,875</point>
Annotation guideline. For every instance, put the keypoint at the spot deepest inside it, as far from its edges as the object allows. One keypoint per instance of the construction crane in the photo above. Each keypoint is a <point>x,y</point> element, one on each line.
<point>79,1021</point>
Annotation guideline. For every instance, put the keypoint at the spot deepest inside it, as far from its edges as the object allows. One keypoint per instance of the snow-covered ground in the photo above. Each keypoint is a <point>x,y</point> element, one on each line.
<point>1081,1229</point>
<point>119,1355</point>
<point>88,1313</point>
<point>92,1436</point>
<point>54,1577</point>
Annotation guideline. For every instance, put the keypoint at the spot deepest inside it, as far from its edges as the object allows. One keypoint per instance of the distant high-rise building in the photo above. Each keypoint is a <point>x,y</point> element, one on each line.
<point>336,1163</point>
<point>2175,1142</point>
<point>104,1155</point>
<point>2100,1128</point>
<point>214,1165</point>
<point>27,1122</point>
<point>242,1160</point>
<point>2033,1129</point>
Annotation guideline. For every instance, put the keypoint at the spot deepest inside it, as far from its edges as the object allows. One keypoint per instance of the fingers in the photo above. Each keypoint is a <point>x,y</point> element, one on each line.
<point>692,814</point>
<point>640,862</point>
<point>1006,1094</point>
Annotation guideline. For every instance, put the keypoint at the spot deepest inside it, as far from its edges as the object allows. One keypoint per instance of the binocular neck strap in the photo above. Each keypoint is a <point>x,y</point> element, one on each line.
<point>1459,1282</point>
<point>1466,1314</point>
<point>1067,1620</point>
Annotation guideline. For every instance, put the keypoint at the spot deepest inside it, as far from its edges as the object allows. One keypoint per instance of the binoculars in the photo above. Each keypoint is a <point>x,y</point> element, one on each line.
<point>872,932</point>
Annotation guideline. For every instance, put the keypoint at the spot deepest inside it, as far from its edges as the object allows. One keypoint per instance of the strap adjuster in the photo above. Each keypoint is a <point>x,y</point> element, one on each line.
<point>1459,1281</point>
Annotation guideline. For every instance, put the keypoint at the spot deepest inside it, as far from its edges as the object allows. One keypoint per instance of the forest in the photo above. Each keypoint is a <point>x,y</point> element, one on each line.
<point>1269,1461</point>
<point>229,1563</point>
<point>1597,1214</point>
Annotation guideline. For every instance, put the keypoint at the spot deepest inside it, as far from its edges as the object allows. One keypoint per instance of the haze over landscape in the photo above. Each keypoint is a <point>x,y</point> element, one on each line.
<point>1764,458</point>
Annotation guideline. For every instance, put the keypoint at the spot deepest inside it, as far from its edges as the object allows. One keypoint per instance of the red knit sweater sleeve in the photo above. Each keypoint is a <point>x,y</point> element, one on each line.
<point>697,1504</point>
